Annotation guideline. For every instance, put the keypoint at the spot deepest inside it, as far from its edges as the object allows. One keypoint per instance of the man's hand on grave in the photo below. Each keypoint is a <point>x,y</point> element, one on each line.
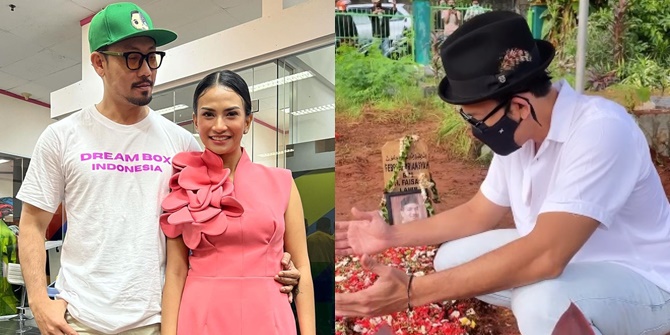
<point>367,234</point>
<point>387,295</point>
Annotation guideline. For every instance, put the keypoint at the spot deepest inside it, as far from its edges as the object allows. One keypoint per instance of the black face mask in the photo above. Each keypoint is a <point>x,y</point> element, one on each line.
<point>500,136</point>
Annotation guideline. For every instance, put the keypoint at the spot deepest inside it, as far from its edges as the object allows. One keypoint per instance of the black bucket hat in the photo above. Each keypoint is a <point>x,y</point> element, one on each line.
<point>491,55</point>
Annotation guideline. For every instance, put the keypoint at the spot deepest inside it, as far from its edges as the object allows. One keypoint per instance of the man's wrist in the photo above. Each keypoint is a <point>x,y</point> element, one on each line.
<point>395,238</point>
<point>420,295</point>
<point>36,303</point>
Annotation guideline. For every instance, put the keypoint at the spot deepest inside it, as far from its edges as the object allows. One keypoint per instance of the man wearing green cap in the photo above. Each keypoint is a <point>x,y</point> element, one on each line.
<point>111,164</point>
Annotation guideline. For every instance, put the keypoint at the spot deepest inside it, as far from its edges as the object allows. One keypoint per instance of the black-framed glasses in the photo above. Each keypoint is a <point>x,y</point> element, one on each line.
<point>479,124</point>
<point>134,59</point>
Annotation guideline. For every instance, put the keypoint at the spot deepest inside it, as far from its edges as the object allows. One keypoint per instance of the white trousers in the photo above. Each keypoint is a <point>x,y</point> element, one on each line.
<point>615,299</point>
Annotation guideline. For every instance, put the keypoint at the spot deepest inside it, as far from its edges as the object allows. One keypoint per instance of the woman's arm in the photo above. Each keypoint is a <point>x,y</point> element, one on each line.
<point>175,277</point>
<point>295,243</point>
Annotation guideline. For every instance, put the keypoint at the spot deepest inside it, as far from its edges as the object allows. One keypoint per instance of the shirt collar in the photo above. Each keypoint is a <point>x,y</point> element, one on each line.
<point>563,112</point>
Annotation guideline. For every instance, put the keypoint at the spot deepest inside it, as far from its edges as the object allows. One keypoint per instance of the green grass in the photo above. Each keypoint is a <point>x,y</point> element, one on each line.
<point>391,91</point>
<point>454,133</point>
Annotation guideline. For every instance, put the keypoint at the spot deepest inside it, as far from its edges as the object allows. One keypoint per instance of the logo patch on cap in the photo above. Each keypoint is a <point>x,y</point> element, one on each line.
<point>138,21</point>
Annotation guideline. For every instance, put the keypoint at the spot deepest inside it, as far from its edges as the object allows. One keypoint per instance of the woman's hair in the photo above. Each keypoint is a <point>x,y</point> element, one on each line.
<point>227,79</point>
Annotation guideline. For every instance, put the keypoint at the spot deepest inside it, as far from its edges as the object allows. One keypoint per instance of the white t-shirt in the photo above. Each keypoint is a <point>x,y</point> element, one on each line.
<point>112,178</point>
<point>594,162</point>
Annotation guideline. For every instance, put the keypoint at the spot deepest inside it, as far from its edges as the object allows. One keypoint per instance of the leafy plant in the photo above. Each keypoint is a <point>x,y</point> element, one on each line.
<point>628,96</point>
<point>644,72</point>
<point>370,77</point>
<point>649,30</point>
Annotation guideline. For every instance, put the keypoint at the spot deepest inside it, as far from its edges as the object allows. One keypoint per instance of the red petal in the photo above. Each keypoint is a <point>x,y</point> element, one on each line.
<point>194,178</point>
<point>180,216</point>
<point>215,200</point>
<point>170,230</point>
<point>228,188</point>
<point>191,235</point>
<point>214,165</point>
<point>216,226</point>
<point>175,200</point>
<point>174,182</point>
<point>205,215</point>
<point>187,158</point>
<point>231,207</point>
<point>200,200</point>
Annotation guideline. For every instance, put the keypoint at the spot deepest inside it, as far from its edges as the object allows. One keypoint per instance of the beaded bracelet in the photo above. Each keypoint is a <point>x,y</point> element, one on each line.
<point>409,285</point>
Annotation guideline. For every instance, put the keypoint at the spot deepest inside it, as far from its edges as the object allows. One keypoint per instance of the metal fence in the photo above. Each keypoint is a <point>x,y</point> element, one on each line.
<point>393,34</point>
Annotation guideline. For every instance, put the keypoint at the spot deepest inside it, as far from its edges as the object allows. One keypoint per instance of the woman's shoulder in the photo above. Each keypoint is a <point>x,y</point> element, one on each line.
<point>273,171</point>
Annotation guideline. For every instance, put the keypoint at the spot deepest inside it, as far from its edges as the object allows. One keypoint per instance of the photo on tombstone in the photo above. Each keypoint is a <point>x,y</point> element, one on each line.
<point>405,207</point>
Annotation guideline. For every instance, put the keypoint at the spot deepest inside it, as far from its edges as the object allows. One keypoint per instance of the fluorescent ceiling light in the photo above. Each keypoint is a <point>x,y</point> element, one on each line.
<point>281,81</point>
<point>275,153</point>
<point>3,161</point>
<point>314,110</point>
<point>172,109</point>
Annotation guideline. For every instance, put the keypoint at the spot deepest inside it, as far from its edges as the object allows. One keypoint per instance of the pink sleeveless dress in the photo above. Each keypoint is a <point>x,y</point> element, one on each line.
<point>236,233</point>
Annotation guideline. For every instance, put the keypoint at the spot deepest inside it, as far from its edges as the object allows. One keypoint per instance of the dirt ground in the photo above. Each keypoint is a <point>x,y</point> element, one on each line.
<point>360,183</point>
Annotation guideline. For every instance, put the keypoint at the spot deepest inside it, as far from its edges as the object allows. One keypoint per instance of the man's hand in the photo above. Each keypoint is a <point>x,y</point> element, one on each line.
<point>387,295</point>
<point>369,234</point>
<point>289,277</point>
<point>50,318</point>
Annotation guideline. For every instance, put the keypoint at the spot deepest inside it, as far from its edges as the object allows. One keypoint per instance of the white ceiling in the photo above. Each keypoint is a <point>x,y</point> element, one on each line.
<point>40,41</point>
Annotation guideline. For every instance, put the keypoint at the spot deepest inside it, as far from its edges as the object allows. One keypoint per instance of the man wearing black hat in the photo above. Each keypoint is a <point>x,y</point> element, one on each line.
<point>592,218</point>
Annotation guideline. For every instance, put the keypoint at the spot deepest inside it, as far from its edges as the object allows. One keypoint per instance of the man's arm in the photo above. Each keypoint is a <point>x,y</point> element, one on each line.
<point>477,215</point>
<point>34,224</point>
<point>49,314</point>
<point>541,255</point>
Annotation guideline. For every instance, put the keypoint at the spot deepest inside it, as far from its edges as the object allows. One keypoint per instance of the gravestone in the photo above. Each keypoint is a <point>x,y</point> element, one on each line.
<point>416,163</point>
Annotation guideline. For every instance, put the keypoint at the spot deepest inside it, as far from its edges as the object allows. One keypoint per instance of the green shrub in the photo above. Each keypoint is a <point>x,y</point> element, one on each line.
<point>372,78</point>
<point>454,133</point>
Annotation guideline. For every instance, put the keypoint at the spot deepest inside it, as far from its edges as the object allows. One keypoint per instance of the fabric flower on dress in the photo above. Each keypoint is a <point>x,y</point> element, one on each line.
<point>200,201</point>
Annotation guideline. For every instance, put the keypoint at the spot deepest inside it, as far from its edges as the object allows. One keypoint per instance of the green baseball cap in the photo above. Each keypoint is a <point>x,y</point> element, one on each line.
<point>122,20</point>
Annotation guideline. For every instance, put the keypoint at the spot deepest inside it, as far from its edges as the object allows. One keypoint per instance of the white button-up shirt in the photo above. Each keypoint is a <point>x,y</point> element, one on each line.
<point>594,162</point>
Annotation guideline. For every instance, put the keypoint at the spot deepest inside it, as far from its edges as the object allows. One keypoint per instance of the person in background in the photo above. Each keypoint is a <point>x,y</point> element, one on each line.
<point>380,18</point>
<point>345,29</point>
<point>451,18</point>
<point>474,10</point>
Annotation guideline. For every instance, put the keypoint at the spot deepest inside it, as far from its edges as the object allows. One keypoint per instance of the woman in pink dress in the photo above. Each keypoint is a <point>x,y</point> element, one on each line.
<point>236,218</point>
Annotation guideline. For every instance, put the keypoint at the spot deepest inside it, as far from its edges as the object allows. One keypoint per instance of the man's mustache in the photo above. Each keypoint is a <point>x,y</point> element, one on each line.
<point>143,82</point>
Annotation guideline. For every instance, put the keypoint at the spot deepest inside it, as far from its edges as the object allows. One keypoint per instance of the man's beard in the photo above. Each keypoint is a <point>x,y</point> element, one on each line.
<point>142,101</point>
